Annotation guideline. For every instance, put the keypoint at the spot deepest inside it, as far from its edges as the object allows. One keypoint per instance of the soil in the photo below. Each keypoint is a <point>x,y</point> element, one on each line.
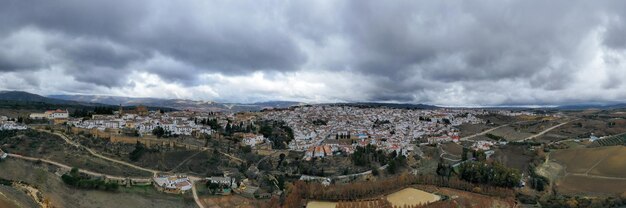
<point>228,201</point>
<point>11,197</point>
<point>411,196</point>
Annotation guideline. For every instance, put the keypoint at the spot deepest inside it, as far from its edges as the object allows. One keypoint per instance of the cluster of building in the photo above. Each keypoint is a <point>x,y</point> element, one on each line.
<point>8,124</point>
<point>173,123</point>
<point>320,126</point>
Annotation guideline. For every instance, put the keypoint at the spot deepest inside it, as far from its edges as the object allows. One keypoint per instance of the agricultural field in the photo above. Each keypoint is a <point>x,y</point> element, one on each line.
<point>452,148</point>
<point>229,201</point>
<point>510,133</point>
<point>582,129</point>
<point>468,199</point>
<point>514,156</point>
<point>470,129</point>
<point>599,170</point>
<point>611,141</point>
<point>586,186</point>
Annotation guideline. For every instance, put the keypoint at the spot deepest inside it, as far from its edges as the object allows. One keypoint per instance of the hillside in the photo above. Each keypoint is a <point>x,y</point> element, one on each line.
<point>21,96</point>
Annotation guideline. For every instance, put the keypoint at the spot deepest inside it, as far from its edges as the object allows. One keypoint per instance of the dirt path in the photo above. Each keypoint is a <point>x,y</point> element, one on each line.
<point>193,179</point>
<point>61,165</point>
<point>195,196</point>
<point>33,192</point>
<point>184,161</point>
<point>94,153</point>
<point>482,133</point>
<point>443,152</point>
<point>547,130</point>
<point>596,176</point>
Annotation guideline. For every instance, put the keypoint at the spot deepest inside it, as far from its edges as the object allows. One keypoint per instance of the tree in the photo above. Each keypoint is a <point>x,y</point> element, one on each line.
<point>246,149</point>
<point>492,174</point>
<point>375,171</point>
<point>158,131</point>
<point>138,152</point>
<point>464,154</point>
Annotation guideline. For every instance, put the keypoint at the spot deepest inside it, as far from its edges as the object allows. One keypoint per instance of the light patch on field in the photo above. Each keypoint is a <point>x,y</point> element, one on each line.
<point>411,196</point>
<point>321,204</point>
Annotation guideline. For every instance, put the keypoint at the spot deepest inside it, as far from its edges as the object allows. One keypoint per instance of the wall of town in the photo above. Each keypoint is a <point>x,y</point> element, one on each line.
<point>149,141</point>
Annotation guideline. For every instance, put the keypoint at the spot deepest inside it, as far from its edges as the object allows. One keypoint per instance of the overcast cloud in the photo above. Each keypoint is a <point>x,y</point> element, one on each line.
<point>455,53</point>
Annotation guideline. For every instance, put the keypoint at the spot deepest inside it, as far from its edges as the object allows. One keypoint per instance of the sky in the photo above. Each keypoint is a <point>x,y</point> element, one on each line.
<point>451,53</point>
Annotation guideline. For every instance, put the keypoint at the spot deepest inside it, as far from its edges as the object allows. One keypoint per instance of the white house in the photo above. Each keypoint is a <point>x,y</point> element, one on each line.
<point>252,140</point>
<point>51,114</point>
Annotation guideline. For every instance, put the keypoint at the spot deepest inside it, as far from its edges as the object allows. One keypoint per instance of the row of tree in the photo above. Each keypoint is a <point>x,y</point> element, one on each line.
<point>367,189</point>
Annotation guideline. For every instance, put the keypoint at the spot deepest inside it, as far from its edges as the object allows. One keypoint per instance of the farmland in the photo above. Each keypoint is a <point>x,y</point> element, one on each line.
<point>592,170</point>
<point>610,141</point>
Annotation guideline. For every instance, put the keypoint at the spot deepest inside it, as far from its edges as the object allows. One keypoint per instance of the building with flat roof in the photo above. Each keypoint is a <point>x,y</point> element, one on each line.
<point>172,184</point>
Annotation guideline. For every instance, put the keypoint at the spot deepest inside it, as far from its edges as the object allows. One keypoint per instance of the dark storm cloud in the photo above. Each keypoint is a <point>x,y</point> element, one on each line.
<point>208,39</point>
<point>410,51</point>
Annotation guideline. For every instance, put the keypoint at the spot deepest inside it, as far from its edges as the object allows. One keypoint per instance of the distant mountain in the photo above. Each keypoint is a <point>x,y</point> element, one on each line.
<point>21,96</point>
<point>592,106</point>
<point>181,104</point>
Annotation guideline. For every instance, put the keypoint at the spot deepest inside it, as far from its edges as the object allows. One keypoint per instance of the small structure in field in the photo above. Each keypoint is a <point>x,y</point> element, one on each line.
<point>172,184</point>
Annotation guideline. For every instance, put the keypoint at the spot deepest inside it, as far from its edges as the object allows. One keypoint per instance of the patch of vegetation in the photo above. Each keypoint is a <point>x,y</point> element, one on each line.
<point>139,151</point>
<point>537,181</point>
<point>397,162</point>
<point>277,132</point>
<point>319,122</point>
<point>364,156</point>
<point>494,137</point>
<point>494,174</point>
<point>555,201</point>
<point>73,178</point>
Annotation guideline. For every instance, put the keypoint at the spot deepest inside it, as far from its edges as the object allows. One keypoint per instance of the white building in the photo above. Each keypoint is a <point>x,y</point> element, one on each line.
<point>252,140</point>
<point>51,114</point>
<point>172,184</point>
<point>3,154</point>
